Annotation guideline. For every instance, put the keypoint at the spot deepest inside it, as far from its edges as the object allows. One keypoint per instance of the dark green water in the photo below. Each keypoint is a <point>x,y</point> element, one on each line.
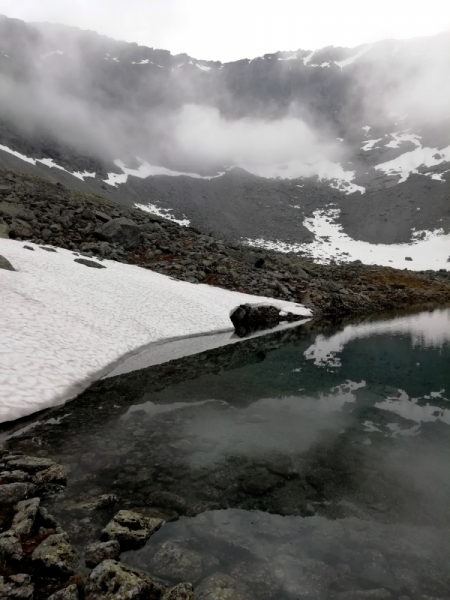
<point>314,463</point>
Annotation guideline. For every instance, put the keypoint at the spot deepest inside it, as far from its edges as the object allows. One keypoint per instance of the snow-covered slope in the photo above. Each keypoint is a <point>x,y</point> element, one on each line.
<point>64,324</point>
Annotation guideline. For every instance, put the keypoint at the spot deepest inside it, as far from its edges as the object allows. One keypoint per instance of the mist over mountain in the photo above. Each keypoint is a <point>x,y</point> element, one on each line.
<point>260,149</point>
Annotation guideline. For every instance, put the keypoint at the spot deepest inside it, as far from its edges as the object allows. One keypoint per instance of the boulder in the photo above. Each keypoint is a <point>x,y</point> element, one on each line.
<point>130,529</point>
<point>122,231</point>
<point>54,474</point>
<point>99,551</point>
<point>168,500</point>
<point>55,557</point>
<point>5,264</point>
<point>25,516</point>
<point>16,587</point>
<point>89,263</point>
<point>68,593</point>
<point>111,580</point>
<point>30,464</point>
<point>12,493</point>
<point>182,591</point>
<point>16,211</point>
<point>4,229</point>
<point>175,563</point>
<point>10,547</point>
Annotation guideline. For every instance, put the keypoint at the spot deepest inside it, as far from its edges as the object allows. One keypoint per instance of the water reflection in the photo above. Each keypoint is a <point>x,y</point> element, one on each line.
<point>319,478</point>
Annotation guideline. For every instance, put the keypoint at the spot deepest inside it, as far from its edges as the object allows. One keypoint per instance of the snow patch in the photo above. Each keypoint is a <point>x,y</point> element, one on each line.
<point>331,243</point>
<point>203,67</point>
<point>351,59</point>
<point>409,162</point>
<point>292,57</point>
<point>308,58</point>
<point>369,144</point>
<point>400,138</point>
<point>64,324</point>
<point>48,162</point>
<point>166,213</point>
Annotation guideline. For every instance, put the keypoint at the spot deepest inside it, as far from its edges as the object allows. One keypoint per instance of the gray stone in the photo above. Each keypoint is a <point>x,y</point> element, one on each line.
<point>222,587</point>
<point>68,593</point>
<point>264,582</point>
<point>16,211</point>
<point>378,594</point>
<point>14,476</point>
<point>102,216</point>
<point>306,577</point>
<point>182,591</point>
<point>175,563</point>
<point>10,546</point>
<point>27,247</point>
<point>12,493</point>
<point>55,556</point>
<point>168,500</point>
<point>54,474</point>
<point>5,264</point>
<point>30,464</point>
<point>89,263</point>
<point>123,231</point>
<point>103,501</point>
<point>25,517</point>
<point>111,580</point>
<point>130,529</point>
<point>99,551</point>
<point>4,229</point>
<point>16,587</point>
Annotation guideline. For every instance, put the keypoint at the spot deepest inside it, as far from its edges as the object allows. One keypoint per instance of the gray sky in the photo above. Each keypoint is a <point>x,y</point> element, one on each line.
<point>241,28</point>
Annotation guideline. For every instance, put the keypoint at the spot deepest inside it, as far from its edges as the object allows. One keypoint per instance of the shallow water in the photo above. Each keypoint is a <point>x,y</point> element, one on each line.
<point>311,463</point>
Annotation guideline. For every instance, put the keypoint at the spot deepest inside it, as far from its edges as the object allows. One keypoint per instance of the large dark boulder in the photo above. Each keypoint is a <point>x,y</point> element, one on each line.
<point>122,231</point>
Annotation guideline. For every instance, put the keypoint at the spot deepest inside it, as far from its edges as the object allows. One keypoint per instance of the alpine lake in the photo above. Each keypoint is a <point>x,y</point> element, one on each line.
<point>309,463</point>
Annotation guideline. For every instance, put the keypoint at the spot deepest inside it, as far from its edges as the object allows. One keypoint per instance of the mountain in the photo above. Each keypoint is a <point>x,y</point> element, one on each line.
<point>305,150</point>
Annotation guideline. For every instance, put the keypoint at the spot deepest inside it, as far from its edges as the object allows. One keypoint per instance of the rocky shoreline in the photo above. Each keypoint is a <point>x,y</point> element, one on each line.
<point>32,209</point>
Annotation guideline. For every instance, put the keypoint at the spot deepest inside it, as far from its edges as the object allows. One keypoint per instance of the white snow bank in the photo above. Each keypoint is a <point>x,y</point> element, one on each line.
<point>147,170</point>
<point>48,162</point>
<point>351,59</point>
<point>400,138</point>
<point>408,163</point>
<point>64,324</point>
<point>331,243</point>
<point>162,212</point>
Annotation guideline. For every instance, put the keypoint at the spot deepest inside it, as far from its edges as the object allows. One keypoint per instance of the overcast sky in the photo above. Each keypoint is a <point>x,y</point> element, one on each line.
<point>241,28</point>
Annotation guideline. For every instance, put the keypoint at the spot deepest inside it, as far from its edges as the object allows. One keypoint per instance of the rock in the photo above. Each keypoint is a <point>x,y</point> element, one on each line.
<point>182,591</point>
<point>5,264</point>
<point>16,587</point>
<point>4,229</point>
<point>222,587</point>
<point>101,216</point>
<point>168,500</point>
<point>20,229</point>
<point>55,557</point>
<point>89,263</point>
<point>175,563</point>
<point>122,231</point>
<point>264,582</point>
<point>101,502</point>
<point>30,464</point>
<point>46,519</point>
<point>306,577</point>
<point>408,258</point>
<point>27,247</point>
<point>14,476</point>
<point>25,517</point>
<point>378,594</point>
<point>5,190</point>
<point>54,474</point>
<point>130,529</point>
<point>99,551</point>
<point>111,580</point>
<point>12,493</point>
<point>10,547</point>
<point>16,211</point>
<point>68,593</point>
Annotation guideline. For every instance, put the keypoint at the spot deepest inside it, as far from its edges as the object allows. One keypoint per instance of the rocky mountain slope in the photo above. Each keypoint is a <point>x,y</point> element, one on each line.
<point>253,149</point>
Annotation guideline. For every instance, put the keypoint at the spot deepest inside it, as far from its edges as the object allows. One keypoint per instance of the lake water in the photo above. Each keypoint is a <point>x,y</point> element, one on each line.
<point>311,463</point>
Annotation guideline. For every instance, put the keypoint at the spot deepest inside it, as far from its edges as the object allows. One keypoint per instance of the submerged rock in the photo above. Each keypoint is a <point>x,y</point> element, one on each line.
<point>182,591</point>
<point>111,580</point>
<point>168,500</point>
<point>130,529</point>
<point>55,557</point>
<point>222,587</point>
<point>173,562</point>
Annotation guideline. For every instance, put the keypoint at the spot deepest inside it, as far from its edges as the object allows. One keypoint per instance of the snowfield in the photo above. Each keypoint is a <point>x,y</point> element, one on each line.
<point>64,324</point>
